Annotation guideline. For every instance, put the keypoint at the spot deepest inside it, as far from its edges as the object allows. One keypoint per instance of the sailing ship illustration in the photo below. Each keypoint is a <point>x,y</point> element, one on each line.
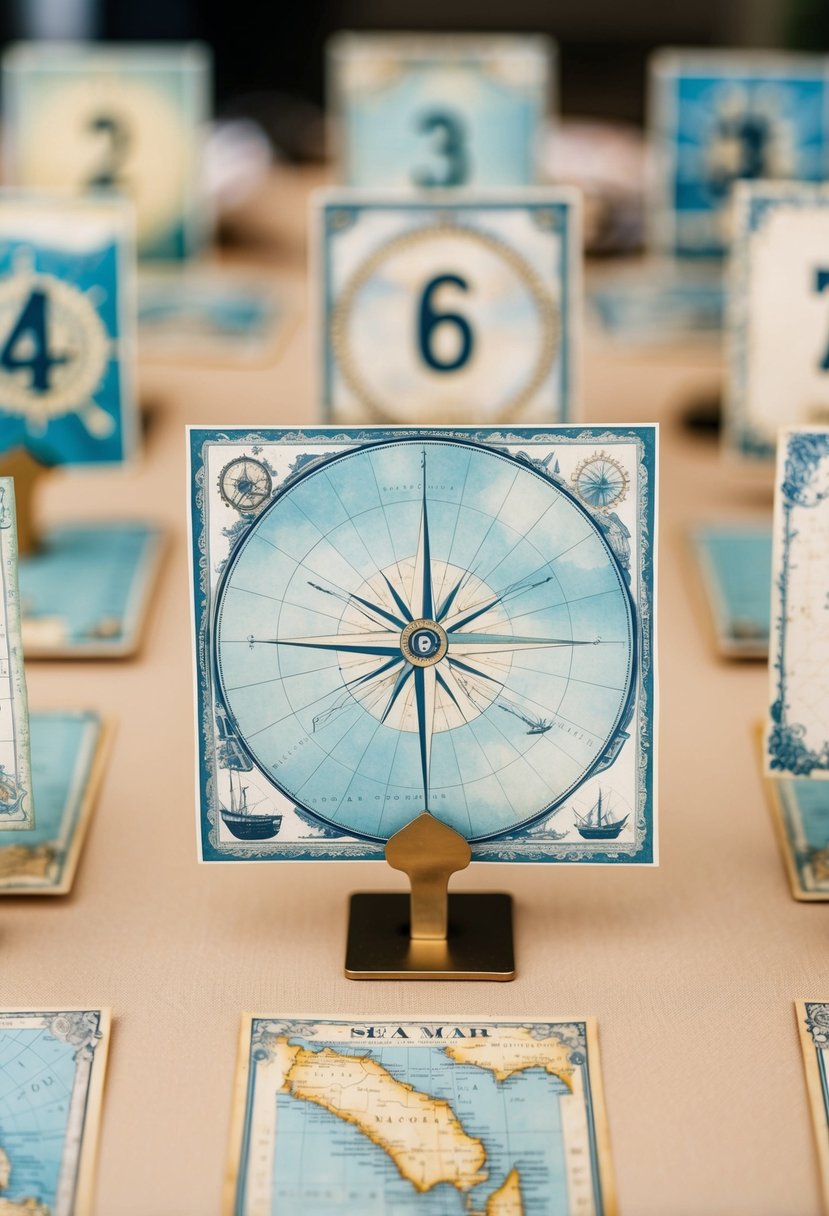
<point>598,824</point>
<point>538,726</point>
<point>241,818</point>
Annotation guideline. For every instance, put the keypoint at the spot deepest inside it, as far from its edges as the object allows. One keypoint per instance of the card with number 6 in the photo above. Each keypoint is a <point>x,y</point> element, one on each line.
<point>441,310</point>
<point>778,314</point>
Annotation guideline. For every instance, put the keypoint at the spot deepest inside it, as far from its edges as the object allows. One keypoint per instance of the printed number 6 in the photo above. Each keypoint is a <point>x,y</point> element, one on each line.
<point>451,146</point>
<point>429,321</point>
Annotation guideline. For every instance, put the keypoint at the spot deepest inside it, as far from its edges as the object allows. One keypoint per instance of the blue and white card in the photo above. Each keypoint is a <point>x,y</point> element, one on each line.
<point>332,1117</point>
<point>800,808</point>
<point>439,111</point>
<point>396,620</point>
<point>797,736</point>
<point>117,117</point>
<point>717,117</point>
<point>458,309</point>
<point>16,802</point>
<point>778,314</point>
<point>67,329</point>
<point>68,750</point>
<point>813,1025</point>
<point>52,1066</point>
<point>734,560</point>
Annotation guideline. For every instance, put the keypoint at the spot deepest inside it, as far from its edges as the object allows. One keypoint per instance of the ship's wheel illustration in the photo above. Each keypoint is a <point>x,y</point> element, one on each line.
<point>601,481</point>
<point>245,484</point>
<point>425,623</point>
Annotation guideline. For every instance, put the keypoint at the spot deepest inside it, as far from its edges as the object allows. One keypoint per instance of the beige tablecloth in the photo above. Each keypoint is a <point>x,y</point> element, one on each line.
<point>691,968</point>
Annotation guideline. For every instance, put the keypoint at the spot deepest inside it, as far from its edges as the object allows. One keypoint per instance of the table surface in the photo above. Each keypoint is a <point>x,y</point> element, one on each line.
<point>691,968</point>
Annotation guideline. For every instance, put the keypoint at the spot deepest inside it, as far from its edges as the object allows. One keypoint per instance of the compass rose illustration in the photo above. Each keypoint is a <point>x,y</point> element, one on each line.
<point>601,481</point>
<point>245,484</point>
<point>425,624</point>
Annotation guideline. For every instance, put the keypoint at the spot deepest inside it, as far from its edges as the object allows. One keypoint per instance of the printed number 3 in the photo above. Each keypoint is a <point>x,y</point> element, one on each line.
<point>451,145</point>
<point>27,345</point>
<point>429,320</point>
<point>821,283</point>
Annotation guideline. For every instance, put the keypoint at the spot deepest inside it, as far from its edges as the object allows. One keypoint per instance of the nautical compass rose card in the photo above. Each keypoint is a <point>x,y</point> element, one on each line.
<point>460,309</point>
<point>717,117</point>
<point>797,735</point>
<point>485,1118</point>
<point>397,620</point>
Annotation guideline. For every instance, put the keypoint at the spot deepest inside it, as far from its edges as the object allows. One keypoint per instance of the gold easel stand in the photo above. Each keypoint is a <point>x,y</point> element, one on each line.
<point>429,934</point>
<point>26,472</point>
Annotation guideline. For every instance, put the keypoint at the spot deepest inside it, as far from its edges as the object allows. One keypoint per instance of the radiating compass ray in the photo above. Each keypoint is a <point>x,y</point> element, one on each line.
<point>399,685</point>
<point>514,589</point>
<point>348,596</point>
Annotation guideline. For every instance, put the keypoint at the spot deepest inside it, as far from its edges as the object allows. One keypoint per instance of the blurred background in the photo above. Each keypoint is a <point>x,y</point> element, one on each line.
<point>269,57</point>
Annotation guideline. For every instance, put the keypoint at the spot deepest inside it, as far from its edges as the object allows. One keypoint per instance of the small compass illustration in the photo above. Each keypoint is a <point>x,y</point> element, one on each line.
<point>601,481</point>
<point>245,484</point>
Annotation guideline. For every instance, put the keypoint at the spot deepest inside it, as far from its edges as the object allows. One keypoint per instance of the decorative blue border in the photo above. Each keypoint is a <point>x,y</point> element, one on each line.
<point>505,847</point>
<point>565,227</point>
<point>786,749</point>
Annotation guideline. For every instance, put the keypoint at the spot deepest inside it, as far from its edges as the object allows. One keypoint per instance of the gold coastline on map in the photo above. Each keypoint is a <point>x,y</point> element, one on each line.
<point>424,1117</point>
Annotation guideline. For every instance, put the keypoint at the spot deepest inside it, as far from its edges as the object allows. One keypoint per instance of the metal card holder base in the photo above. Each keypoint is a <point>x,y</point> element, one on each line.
<point>478,944</point>
<point>429,934</point>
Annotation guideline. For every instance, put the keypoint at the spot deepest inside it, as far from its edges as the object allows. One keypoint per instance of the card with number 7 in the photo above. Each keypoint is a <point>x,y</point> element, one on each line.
<point>441,310</point>
<point>778,314</point>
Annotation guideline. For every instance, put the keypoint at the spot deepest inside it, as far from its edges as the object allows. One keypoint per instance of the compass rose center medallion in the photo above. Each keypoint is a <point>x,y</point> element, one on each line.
<point>424,643</point>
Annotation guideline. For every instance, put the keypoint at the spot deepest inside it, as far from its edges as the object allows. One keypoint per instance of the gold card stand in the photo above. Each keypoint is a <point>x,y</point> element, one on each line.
<point>429,934</point>
<point>26,472</point>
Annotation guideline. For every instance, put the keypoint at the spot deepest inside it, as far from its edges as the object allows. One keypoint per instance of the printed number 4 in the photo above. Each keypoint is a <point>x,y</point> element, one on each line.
<point>430,320</point>
<point>451,145</point>
<point>821,283</point>
<point>27,346</point>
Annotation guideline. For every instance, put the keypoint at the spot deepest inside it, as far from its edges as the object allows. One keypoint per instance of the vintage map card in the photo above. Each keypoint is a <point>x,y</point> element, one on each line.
<point>68,753</point>
<point>778,314</point>
<point>797,738</point>
<point>397,620</point>
<point>421,111</point>
<point>114,117</point>
<point>16,803</point>
<point>67,328</point>
<point>52,1065</point>
<point>482,1118</point>
<point>87,591</point>
<point>734,561</point>
<point>813,1025</point>
<point>717,117</point>
<point>458,309</point>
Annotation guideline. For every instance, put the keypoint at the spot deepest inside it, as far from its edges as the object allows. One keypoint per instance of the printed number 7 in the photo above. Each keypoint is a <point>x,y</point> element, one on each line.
<point>821,283</point>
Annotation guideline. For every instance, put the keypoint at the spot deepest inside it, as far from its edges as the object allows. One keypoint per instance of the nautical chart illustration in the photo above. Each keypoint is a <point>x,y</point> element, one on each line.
<point>424,621</point>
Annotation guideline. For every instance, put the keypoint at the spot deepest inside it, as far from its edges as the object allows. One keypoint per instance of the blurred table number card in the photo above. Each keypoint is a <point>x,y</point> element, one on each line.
<point>126,118</point>
<point>67,397</point>
<point>813,1027</point>
<point>488,1117</point>
<point>717,117</point>
<point>448,310</point>
<point>16,805</point>
<point>797,735</point>
<point>778,314</point>
<point>414,111</point>
<point>52,1071</point>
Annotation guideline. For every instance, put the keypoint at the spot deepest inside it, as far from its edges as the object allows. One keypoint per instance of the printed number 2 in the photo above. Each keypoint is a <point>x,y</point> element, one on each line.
<point>451,146</point>
<point>27,345</point>
<point>821,283</point>
<point>116,150</point>
<point>429,320</point>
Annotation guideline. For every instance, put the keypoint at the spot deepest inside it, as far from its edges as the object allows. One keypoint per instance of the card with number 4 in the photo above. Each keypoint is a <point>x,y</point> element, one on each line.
<point>416,111</point>
<point>442,310</point>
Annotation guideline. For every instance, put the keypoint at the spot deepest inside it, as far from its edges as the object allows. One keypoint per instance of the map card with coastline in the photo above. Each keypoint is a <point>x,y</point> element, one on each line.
<point>52,1065</point>
<point>418,1118</point>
